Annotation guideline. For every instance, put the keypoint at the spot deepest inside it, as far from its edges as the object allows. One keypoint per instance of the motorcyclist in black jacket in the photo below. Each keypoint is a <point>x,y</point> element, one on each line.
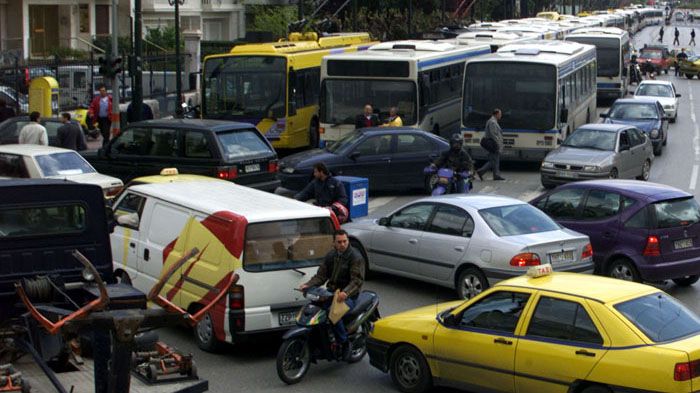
<point>456,159</point>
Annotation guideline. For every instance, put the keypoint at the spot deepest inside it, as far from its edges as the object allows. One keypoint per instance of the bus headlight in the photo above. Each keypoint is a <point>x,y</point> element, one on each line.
<point>546,164</point>
<point>654,133</point>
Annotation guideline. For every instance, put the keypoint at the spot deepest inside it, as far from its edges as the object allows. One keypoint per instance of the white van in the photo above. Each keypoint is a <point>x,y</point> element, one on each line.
<point>273,243</point>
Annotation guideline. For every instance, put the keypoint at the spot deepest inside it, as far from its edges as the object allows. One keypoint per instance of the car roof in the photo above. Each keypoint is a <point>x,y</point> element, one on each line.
<point>640,100</point>
<point>211,196</point>
<point>654,191</point>
<point>604,127</point>
<point>171,179</point>
<point>656,82</point>
<point>32,150</point>
<point>477,202</point>
<point>598,288</point>
<point>194,124</point>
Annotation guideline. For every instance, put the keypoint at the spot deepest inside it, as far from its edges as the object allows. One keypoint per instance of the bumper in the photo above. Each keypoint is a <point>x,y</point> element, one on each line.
<point>294,181</point>
<point>531,155</point>
<point>556,177</point>
<point>581,267</point>
<point>378,354</point>
<point>610,93</point>
<point>669,270</point>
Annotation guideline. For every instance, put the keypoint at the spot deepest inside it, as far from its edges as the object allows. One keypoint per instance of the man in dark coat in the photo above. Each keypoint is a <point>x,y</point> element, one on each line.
<point>70,135</point>
<point>367,118</point>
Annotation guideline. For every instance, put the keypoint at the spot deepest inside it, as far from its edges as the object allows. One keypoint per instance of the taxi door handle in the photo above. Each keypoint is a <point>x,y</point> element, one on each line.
<point>413,241</point>
<point>583,352</point>
<point>459,248</point>
<point>503,341</point>
<point>132,245</point>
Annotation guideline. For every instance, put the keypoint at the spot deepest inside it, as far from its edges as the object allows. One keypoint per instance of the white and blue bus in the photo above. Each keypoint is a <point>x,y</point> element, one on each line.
<point>545,89</point>
<point>613,55</point>
<point>422,79</point>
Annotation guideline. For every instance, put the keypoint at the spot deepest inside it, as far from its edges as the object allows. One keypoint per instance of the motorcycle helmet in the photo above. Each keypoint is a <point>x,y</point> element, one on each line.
<point>341,212</point>
<point>456,141</point>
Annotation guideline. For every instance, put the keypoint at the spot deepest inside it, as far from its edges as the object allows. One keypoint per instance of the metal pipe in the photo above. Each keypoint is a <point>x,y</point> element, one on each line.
<point>115,79</point>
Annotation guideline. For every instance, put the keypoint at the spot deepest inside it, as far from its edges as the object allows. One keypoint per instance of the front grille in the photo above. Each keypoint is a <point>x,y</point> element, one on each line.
<point>568,167</point>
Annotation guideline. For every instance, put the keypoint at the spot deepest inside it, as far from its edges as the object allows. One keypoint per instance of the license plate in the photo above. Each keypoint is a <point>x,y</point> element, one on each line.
<point>287,318</point>
<point>252,168</point>
<point>683,243</point>
<point>567,174</point>
<point>565,256</point>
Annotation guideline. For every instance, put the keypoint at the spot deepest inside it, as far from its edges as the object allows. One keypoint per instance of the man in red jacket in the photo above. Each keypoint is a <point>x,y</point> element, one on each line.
<point>101,108</point>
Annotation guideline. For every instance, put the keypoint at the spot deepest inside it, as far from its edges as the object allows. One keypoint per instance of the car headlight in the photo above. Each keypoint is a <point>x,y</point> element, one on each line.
<point>654,133</point>
<point>546,164</point>
<point>591,168</point>
<point>288,169</point>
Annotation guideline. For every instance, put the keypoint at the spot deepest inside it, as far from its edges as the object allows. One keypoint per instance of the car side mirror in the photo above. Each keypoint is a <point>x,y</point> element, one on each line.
<point>678,95</point>
<point>353,156</point>
<point>449,320</point>
<point>129,220</point>
<point>384,221</point>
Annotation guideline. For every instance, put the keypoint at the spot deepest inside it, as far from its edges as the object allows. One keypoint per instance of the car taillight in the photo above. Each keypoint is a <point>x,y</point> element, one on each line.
<point>112,191</point>
<point>236,298</point>
<point>686,371</point>
<point>652,248</point>
<point>272,166</point>
<point>228,172</point>
<point>587,251</point>
<point>525,259</point>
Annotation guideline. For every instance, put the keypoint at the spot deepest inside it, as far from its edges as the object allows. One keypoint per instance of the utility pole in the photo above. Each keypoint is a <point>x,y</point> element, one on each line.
<point>137,88</point>
<point>178,71</point>
<point>115,79</point>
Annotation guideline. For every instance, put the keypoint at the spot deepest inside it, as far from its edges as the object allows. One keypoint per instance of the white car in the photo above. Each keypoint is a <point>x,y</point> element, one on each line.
<point>662,91</point>
<point>48,162</point>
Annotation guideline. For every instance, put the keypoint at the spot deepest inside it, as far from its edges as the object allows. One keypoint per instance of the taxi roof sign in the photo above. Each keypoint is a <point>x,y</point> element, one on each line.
<point>539,270</point>
<point>169,172</point>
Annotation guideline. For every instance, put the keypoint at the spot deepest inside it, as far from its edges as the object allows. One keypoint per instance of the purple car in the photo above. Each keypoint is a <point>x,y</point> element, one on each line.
<point>639,231</point>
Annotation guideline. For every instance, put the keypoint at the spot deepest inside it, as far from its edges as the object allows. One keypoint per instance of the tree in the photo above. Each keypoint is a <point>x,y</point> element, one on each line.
<point>274,19</point>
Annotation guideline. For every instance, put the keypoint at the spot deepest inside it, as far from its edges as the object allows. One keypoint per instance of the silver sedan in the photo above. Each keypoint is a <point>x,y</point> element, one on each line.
<point>466,242</point>
<point>599,151</point>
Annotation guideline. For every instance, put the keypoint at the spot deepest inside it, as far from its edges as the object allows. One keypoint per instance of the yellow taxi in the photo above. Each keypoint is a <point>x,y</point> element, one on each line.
<point>545,332</point>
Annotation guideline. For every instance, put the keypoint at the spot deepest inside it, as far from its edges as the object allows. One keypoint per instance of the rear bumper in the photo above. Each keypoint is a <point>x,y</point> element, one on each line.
<point>669,270</point>
<point>294,181</point>
<point>378,353</point>
<point>581,267</point>
<point>549,176</point>
<point>268,186</point>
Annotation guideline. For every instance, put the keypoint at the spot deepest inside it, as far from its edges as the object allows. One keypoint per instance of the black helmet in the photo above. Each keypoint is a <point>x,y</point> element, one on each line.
<point>456,141</point>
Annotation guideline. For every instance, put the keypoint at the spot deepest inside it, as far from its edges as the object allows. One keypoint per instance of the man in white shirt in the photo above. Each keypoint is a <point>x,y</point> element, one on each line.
<point>34,133</point>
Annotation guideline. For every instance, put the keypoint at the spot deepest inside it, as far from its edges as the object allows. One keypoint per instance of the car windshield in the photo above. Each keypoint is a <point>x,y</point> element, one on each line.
<point>63,164</point>
<point>650,55</point>
<point>591,139</point>
<point>634,112</point>
<point>654,90</point>
<point>518,219</point>
<point>242,144</point>
<point>677,212</point>
<point>344,142</point>
<point>660,317</point>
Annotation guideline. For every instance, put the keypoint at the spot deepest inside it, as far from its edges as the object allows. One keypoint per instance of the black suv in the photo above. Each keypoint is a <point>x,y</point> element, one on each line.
<point>223,149</point>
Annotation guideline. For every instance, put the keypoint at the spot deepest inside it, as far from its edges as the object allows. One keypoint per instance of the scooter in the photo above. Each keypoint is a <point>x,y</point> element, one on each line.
<point>443,181</point>
<point>87,123</point>
<point>313,339</point>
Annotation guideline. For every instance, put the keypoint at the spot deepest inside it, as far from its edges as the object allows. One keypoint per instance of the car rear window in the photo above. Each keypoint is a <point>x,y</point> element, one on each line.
<point>517,220</point>
<point>63,164</point>
<point>242,144</point>
<point>660,317</point>
<point>42,220</point>
<point>289,244</point>
<point>677,212</point>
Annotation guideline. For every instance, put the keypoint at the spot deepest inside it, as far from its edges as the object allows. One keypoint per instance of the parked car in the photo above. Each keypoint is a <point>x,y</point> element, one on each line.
<point>690,67</point>
<point>597,151</point>
<point>639,230</point>
<point>14,99</point>
<point>10,129</point>
<point>227,150</point>
<point>466,241</point>
<point>48,162</point>
<point>557,332</point>
<point>664,92</point>
<point>646,114</point>
<point>659,57</point>
<point>21,77</point>
<point>391,158</point>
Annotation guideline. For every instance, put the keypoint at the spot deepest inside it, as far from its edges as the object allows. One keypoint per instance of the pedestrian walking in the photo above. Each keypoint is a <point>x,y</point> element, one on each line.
<point>676,34</point>
<point>5,111</point>
<point>661,34</point>
<point>692,37</point>
<point>101,107</point>
<point>70,134</point>
<point>493,133</point>
<point>34,133</point>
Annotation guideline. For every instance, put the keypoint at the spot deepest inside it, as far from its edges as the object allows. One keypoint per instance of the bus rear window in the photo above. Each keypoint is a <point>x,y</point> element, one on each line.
<point>42,221</point>
<point>289,244</point>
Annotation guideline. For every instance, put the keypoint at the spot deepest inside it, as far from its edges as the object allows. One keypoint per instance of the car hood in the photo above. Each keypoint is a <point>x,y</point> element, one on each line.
<point>363,223</point>
<point>99,179</point>
<point>575,155</point>
<point>644,125</point>
<point>306,159</point>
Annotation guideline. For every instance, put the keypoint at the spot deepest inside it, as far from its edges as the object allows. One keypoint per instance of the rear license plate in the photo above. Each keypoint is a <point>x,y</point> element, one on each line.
<point>565,256</point>
<point>252,168</point>
<point>683,243</point>
<point>567,174</point>
<point>287,318</point>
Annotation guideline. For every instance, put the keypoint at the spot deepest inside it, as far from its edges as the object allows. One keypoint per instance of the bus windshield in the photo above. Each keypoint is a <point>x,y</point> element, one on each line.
<point>525,92</point>
<point>608,53</point>
<point>343,99</point>
<point>244,87</point>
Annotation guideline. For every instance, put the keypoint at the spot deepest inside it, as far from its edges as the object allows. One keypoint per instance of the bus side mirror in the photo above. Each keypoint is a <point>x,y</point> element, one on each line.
<point>564,115</point>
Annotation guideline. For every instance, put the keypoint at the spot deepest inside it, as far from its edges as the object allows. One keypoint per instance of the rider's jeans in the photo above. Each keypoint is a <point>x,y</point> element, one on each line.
<point>339,328</point>
<point>459,185</point>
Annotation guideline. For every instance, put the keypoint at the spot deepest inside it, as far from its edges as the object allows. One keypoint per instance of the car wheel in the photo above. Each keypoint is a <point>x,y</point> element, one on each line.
<point>686,281</point>
<point>646,170</point>
<point>689,76</point>
<point>671,120</point>
<point>204,335</point>
<point>623,269</point>
<point>613,174</point>
<point>358,246</point>
<point>409,370</point>
<point>471,282</point>
<point>657,149</point>
<point>595,389</point>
